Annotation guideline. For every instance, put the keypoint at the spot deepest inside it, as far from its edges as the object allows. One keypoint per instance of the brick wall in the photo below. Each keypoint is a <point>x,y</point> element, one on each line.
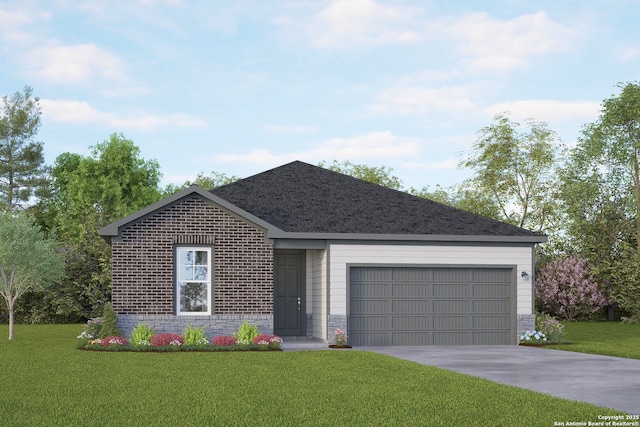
<point>142,269</point>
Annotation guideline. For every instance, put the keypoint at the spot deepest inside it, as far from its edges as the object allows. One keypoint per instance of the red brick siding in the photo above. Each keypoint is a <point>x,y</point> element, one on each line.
<point>142,270</point>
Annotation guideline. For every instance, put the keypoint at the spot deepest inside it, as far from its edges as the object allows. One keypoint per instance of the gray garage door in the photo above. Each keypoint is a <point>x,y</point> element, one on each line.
<point>431,306</point>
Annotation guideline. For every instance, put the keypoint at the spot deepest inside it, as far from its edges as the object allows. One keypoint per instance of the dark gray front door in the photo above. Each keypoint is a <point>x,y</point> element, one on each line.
<point>288,300</point>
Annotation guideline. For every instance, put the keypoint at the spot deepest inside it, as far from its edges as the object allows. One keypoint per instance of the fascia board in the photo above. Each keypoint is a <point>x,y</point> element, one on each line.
<point>409,237</point>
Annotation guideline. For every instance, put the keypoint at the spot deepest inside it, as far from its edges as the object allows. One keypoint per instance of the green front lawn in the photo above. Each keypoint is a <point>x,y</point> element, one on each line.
<point>46,381</point>
<point>606,338</point>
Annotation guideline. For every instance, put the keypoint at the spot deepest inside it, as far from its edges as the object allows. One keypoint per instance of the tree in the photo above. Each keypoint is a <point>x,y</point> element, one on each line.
<point>208,182</point>
<point>465,196</point>
<point>88,193</point>
<point>22,168</point>
<point>517,170</point>
<point>567,288</point>
<point>601,190</point>
<point>28,260</point>
<point>380,175</point>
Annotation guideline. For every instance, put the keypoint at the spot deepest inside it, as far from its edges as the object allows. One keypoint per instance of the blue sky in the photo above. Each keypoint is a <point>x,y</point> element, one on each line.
<point>240,87</point>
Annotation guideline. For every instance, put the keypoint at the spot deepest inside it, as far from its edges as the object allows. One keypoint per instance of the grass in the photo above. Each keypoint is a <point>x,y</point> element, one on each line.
<point>46,381</point>
<point>606,338</point>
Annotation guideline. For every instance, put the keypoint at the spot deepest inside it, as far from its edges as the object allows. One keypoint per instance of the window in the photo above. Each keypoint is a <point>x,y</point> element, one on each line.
<point>193,280</point>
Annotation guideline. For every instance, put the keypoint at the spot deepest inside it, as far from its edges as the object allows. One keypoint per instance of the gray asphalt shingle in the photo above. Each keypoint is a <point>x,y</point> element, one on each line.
<point>299,197</point>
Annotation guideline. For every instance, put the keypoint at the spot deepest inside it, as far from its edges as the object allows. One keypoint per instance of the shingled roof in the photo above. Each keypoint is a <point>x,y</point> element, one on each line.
<point>301,198</point>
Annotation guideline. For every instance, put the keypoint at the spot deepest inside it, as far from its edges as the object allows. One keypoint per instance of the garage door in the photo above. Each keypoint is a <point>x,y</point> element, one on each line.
<point>431,306</point>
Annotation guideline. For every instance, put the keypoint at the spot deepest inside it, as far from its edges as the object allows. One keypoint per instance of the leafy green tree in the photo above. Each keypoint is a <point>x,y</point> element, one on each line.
<point>22,167</point>
<point>601,192</point>
<point>88,193</point>
<point>28,260</point>
<point>465,196</point>
<point>517,170</point>
<point>380,175</point>
<point>208,182</point>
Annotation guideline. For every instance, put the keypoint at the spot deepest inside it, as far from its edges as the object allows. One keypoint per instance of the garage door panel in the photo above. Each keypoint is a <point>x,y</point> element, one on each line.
<point>370,323</point>
<point>494,290</point>
<point>491,275</point>
<point>451,338</point>
<point>490,306</point>
<point>491,322</point>
<point>370,306</point>
<point>370,290</point>
<point>412,290</point>
<point>411,323</point>
<point>409,274</point>
<point>411,306</point>
<point>451,290</point>
<point>490,338</point>
<point>450,306</point>
<point>431,306</point>
<point>452,275</point>
<point>451,322</point>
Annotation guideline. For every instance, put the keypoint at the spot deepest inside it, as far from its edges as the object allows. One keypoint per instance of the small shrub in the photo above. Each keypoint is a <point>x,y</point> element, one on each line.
<point>91,329</point>
<point>109,322</point>
<point>166,339</point>
<point>550,326</point>
<point>113,340</point>
<point>195,336</point>
<point>223,341</point>
<point>271,341</point>
<point>340,337</point>
<point>246,333</point>
<point>142,334</point>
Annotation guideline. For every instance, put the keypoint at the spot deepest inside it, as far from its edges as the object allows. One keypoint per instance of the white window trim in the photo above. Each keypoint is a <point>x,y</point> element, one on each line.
<point>209,281</point>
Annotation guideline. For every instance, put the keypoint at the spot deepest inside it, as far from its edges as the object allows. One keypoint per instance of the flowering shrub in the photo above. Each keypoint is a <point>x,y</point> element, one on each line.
<point>165,339</point>
<point>141,334</point>
<point>533,337</point>
<point>195,336</point>
<point>567,289</point>
<point>550,326</point>
<point>113,340</point>
<point>92,329</point>
<point>223,341</point>
<point>340,337</point>
<point>271,341</point>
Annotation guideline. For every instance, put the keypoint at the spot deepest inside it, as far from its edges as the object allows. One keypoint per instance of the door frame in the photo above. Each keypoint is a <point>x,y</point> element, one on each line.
<point>302,289</point>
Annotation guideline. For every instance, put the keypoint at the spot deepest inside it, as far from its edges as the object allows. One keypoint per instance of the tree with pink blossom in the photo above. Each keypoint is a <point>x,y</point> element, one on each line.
<point>567,289</point>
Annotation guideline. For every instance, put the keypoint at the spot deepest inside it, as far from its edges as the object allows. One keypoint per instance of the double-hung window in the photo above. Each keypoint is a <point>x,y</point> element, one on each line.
<point>193,280</point>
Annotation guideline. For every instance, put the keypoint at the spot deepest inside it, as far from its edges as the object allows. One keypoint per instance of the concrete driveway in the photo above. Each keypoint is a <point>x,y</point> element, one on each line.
<point>611,382</point>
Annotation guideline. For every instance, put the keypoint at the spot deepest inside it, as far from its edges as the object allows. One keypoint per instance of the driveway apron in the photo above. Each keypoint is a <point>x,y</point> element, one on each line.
<point>611,382</point>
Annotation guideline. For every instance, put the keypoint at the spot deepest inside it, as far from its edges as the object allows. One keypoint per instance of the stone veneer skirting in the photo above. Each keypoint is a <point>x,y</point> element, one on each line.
<point>335,321</point>
<point>526,322</point>
<point>221,324</point>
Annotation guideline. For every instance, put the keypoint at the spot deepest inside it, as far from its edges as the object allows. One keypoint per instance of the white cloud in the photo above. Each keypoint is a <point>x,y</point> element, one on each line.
<point>372,145</point>
<point>629,54</point>
<point>83,63</point>
<point>495,45</point>
<point>83,112</point>
<point>353,23</point>
<point>548,110</point>
<point>12,24</point>
<point>420,100</point>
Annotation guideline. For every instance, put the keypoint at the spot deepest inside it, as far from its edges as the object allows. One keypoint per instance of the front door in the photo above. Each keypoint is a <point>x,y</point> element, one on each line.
<point>288,299</point>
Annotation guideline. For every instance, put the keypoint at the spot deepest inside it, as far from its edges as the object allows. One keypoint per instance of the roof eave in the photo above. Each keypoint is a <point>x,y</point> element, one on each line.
<point>408,237</point>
